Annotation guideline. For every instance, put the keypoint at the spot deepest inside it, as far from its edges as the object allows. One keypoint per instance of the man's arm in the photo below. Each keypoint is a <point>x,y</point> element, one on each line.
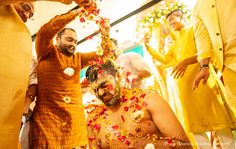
<point>44,38</point>
<point>142,69</point>
<point>87,57</point>
<point>8,2</point>
<point>165,119</point>
<point>205,50</point>
<point>181,67</point>
<point>79,2</point>
<point>33,85</point>
<point>163,58</point>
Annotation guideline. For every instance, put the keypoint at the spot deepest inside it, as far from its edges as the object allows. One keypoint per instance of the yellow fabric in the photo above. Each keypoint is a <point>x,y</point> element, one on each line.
<point>203,109</point>
<point>230,81</point>
<point>15,53</point>
<point>215,28</point>
<point>200,110</point>
<point>227,19</point>
<point>206,29</point>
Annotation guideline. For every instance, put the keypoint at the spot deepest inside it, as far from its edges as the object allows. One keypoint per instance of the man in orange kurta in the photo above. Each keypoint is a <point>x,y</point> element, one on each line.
<point>58,119</point>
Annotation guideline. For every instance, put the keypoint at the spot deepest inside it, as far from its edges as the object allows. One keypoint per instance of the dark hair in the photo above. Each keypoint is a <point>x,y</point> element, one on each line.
<point>175,10</point>
<point>114,41</point>
<point>59,34</point>
<point>93,70</point>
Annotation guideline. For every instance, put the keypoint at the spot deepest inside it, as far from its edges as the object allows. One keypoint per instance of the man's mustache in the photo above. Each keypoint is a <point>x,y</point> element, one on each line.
<point>71,47</point>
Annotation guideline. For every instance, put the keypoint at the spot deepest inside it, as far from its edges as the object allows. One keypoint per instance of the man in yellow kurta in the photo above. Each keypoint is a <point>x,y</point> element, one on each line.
<point>15,53</point>
<point>200,110</point>
<point>216,40</point>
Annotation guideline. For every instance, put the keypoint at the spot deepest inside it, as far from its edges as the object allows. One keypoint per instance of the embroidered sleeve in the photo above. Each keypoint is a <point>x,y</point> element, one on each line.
<point>86,57</point>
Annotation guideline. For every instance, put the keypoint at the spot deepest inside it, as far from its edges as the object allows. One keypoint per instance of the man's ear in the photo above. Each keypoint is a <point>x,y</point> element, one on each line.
<point>58,39</point>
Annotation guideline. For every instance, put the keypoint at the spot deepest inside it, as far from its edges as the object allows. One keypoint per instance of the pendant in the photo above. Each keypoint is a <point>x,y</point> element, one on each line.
<point>69,71</point>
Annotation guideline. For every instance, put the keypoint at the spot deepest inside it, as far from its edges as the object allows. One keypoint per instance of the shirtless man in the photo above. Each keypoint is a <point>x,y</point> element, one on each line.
<point>129,118</point>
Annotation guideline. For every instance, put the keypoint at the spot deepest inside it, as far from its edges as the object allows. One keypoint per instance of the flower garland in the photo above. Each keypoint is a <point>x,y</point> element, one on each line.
<point>158,15</point>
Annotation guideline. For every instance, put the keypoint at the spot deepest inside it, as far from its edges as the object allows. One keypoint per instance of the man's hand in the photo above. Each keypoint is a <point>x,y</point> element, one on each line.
<point>203,74</point>
<point>180,69</point>
<point>30,96</point>
<point>146,38</point>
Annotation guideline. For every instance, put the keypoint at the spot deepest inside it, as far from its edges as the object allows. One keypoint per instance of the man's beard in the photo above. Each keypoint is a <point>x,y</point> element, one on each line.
<point>113,98</point>
<point>68,50</point>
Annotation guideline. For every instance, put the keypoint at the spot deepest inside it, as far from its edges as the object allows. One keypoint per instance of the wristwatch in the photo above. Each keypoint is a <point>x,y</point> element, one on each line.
<point>204,65</point>
<point>25,117</point>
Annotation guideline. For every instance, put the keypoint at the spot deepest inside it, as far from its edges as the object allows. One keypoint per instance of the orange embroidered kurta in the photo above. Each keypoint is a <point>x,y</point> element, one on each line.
<point>58,120</point>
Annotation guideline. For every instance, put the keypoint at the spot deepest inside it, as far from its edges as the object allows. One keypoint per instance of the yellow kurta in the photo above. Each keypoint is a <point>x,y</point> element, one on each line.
<point>15,53</point>
<point>203,108</point>
<point>215,38</point>
<point>200,110</point>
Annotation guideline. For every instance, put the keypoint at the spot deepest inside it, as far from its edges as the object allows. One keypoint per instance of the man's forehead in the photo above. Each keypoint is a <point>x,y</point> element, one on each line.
<point>177,13</point>
<point>69,33</point>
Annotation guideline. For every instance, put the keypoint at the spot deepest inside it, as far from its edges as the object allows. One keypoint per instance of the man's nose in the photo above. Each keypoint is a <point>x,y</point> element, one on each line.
<point>27,14</point>
<point>100,91</point>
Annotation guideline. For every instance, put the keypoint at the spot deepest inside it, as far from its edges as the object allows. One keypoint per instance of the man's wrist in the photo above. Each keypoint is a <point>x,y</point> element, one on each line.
<point>204,66</point>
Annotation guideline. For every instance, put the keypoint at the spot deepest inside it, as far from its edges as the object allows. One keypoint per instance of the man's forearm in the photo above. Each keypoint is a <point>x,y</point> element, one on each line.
<point>8,2</point>
<point>204,62</point>
<point>50,29</point>
<point>45,35</point>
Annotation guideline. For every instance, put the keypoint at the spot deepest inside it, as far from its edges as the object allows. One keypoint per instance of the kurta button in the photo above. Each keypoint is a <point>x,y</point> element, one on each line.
<point>212,6</point>
<point>67,99</point>
<point>220,49</point>
<point>217,34</point>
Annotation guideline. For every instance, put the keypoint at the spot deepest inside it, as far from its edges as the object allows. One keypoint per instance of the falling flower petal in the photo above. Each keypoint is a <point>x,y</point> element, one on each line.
<point>82,20</point>
<point>143,95</point>
<point>127,80</point>
<point>97,127</point>
<point>127,142</point>
<point>122,138</point>
<point>132,98</point>
<point>126,108</point>
<point>100,71</point>
<point>128,73</point>
<point>122,117</point>
<point>138,107</point>
<point>110,86</point>
<point>144,104</point>
<point>170,141</point>
<point>134,80</point>
<point>115,127</point>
